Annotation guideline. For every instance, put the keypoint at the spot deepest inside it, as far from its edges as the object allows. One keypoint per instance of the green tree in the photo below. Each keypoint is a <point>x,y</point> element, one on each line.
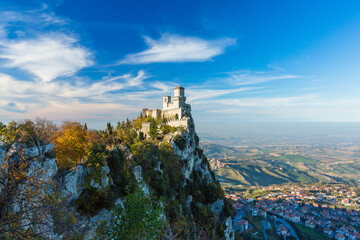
<point>126,135</point>
<point>140,218</point>
<point>2,131</point>
<point>180,142</point>
<point>153,129</point>
<point>109,128</point>
<point>10,134</point>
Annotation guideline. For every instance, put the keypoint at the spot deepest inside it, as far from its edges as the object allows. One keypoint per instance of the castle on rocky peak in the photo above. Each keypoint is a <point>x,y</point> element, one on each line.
<point>177,111</point>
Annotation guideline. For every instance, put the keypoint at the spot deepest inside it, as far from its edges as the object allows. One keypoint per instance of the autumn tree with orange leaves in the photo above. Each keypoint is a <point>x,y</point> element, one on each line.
<point>70,145</point>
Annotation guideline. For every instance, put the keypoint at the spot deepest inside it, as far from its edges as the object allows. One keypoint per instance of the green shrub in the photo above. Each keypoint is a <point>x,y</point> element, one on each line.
<point>165,129</point>
<point>141,218</point>
<point>197,140</point>
<point>92,199</point>
<point>120,172</point>
<point>179,141</point>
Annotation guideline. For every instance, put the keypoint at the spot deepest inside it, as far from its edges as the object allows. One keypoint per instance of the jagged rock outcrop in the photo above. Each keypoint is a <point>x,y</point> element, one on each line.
<point>75,188</point>
<point>73,183</point>
<point>139,178</point>
<point>187,149</point>
<point>229,231</point>
<point>2,155</point>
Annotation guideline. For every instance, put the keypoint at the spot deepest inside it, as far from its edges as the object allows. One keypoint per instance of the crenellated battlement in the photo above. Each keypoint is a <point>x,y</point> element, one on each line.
<point>184,122</point>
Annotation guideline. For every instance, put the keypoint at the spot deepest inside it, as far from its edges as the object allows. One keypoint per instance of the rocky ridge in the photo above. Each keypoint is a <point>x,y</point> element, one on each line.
<point>71,184</point>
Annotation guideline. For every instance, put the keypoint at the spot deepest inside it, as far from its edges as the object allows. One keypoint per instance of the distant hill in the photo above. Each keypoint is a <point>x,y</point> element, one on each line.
<point>244,167</point>
<point>219,151</point>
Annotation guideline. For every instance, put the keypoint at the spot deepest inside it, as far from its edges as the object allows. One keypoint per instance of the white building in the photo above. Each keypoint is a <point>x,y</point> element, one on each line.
<point>177,111</point>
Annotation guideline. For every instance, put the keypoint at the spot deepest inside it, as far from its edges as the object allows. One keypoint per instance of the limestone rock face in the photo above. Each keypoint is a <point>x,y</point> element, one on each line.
<point>138,175</point>
<point>104,182</point>
<point>42,171</point>
<point>74,183</point>
<point>47,168</point>
<point>2,155</point>
<point>13,149</point>
<point>103,216</point>
<point>229,231</point>
<point>217,207</point>
<point>190,153</point>
<point>34,151</point>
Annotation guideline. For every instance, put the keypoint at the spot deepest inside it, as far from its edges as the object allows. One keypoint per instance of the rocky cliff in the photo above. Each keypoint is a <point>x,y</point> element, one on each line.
<point>169,165</point>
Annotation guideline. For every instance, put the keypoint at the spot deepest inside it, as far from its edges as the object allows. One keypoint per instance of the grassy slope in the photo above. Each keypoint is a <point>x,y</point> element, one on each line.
<point>262,168</point>
<point>252,175</point>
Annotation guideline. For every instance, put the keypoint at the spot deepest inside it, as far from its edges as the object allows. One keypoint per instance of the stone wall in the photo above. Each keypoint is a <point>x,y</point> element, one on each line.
<point>154,113</point>
<point>179,123</point>
<point>145,128</point>
<point>172,113</point>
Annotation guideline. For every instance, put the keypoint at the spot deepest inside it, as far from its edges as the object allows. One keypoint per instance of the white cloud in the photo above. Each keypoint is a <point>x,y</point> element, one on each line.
<point>175,48</point>
<point>246,77</point>
<point>46,57</point>
<point>196,94</point>
<point>163,86</point>
<point>38,42</point>
<point>24,99</point>
<point>79,110</point>
<point>269,102</point>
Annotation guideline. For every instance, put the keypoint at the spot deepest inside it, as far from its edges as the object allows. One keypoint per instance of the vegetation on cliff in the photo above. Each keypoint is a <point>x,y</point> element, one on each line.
<point>110,174</point>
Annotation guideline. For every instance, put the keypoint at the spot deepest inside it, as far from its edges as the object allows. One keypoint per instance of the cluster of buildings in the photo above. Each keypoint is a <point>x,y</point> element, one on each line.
<point>333,210</point>
<point>216,163</point>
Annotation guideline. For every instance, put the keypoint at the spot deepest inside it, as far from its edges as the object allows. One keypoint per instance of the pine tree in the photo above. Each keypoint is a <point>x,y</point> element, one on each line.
<point>109,128</point>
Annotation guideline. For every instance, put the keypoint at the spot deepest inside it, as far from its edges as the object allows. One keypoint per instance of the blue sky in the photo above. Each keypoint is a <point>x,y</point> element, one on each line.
<point>240,61</point>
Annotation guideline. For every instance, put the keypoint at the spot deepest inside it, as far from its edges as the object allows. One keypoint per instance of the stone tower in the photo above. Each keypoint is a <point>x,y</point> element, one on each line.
<point>166,102</point>
<point>179,97</point>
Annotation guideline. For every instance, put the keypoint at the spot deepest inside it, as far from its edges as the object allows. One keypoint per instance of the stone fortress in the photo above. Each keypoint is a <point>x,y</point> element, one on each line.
<point>177,112</point>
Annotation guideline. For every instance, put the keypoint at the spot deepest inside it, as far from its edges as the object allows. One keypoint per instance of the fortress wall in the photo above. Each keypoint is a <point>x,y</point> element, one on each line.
<point>179,123</point>
<point>171,113</point>
<point>154,113</point>
<point>145,128</point>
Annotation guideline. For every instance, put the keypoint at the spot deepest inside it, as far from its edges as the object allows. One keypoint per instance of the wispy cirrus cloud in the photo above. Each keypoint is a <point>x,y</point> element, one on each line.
<point>176,48</point>
<point>36,43</point>
<point>247,77</point>
<point>197,94</point>
<point>46,57</point>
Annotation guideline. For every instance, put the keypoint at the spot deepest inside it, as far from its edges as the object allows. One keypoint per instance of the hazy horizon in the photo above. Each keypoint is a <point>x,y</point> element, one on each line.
<point>282,133</point>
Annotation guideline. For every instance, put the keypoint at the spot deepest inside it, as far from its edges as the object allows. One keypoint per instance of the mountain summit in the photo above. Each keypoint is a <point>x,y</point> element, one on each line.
<point>96,180</point>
